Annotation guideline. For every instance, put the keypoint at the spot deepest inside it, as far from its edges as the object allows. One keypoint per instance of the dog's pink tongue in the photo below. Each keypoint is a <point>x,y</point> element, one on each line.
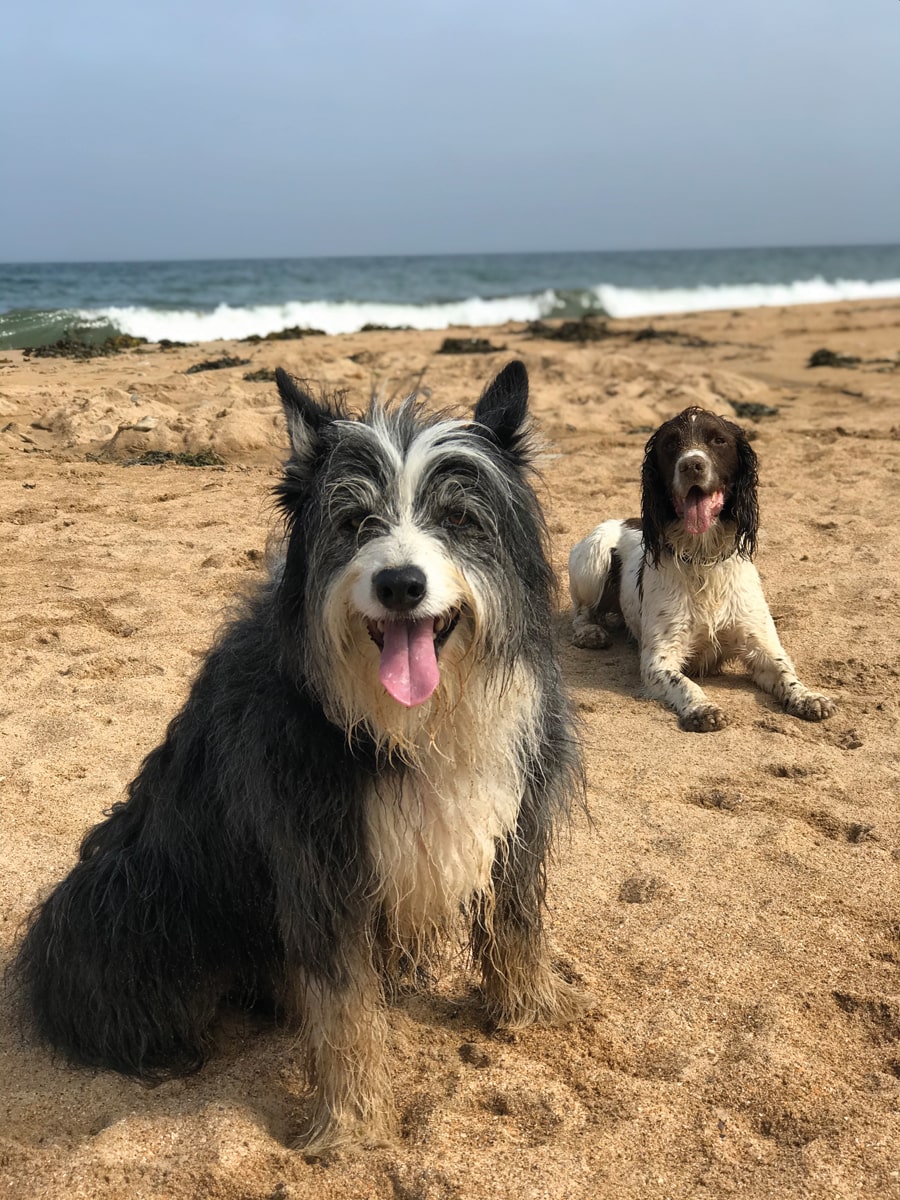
<point>700,511</point>
<point>409,669</point>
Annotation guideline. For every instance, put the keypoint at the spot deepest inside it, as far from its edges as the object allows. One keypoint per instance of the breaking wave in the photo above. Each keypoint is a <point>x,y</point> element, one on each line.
<point>30,327</point>
<point>646,302</point>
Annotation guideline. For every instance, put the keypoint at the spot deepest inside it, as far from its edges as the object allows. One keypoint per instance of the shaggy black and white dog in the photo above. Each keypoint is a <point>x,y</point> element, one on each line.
<point>377,747</point>
<point>682,575</point>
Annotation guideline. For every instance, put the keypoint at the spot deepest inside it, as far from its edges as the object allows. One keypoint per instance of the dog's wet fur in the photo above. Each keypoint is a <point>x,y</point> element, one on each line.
<point>302,832</point>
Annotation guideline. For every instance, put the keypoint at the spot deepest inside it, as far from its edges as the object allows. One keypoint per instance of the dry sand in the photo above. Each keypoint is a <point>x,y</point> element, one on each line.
<point>734,900</point>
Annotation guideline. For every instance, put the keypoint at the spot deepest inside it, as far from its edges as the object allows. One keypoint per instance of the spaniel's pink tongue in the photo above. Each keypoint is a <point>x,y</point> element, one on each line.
<point>700,511</point>
<point>409,669</point>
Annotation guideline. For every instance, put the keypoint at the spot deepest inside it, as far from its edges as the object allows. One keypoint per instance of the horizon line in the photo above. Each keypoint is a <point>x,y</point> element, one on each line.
<point>52,262</point>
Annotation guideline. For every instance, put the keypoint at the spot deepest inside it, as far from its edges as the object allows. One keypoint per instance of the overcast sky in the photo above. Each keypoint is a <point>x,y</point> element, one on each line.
<point>302,127</point>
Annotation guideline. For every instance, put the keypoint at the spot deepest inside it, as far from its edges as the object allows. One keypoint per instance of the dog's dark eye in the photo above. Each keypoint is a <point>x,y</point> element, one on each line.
<point>457,518</point>
<point>361,526</point>
<point>718,439</point>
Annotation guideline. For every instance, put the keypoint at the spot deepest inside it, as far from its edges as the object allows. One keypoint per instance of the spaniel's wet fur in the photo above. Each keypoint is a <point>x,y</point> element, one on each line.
<point>682,575</point>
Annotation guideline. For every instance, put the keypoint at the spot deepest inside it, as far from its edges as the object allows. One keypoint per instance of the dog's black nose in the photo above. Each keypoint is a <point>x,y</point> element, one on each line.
<point>400,588</point>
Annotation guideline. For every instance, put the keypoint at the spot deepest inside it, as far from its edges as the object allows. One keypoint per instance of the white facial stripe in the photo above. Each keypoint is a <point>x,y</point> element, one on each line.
<point>379,432</point>
<point>422,451</point>
<point>682,480</point>
<point>694,452</point>
<point>406,545</point>
<point>429,446</point>
<point>452,435</point>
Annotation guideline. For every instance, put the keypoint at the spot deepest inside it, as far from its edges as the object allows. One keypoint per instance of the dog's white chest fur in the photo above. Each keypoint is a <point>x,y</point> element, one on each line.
<point>703,606</point>
<point>434,837</point>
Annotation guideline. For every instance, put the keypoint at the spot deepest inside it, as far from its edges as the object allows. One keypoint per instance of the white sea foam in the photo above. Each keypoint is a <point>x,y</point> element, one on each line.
<point>331,316</point>
<point>646,302</point>
<point>187,325</point>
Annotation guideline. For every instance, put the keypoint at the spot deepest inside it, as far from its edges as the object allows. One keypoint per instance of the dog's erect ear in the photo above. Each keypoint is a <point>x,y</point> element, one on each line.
<point>305,417</point>
<point>503,407</point>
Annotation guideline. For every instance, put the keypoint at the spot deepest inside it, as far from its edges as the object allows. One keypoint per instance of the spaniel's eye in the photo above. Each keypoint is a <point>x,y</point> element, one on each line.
<point>457,518</point>
<point>718,439</point>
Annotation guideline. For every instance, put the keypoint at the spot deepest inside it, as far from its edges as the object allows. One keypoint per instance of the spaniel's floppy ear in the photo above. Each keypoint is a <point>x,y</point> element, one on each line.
<point>744,504</point>
<point>502,411</point>
<point>656,506</point>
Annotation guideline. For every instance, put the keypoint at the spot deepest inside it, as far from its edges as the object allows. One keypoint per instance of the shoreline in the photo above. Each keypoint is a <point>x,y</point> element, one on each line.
<point>178,406</point>
<point>208,299</point>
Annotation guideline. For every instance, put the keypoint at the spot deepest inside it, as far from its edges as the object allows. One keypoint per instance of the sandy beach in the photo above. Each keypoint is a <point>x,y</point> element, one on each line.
<point>732,899</point>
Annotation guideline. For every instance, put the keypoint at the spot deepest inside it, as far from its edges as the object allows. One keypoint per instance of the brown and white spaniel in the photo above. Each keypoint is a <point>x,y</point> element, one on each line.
<point>682,575</point>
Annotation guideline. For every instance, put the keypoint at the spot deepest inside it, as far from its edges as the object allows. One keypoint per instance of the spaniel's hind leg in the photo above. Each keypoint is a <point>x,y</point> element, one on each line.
<point>594,575</point>
<point>587,631</point>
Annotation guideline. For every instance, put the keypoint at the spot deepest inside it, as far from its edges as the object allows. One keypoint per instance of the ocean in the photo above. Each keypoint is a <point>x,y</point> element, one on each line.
<point>205,300</point>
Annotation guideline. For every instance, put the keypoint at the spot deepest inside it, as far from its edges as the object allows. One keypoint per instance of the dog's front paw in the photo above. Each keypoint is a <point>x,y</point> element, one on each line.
<point>328,1137</point>
<point>706,718</point>
<point>810,706</point>
<point>539,995</point>
<point>558,1003</point>
<point>587,636</point>
<point>570,1004</point>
